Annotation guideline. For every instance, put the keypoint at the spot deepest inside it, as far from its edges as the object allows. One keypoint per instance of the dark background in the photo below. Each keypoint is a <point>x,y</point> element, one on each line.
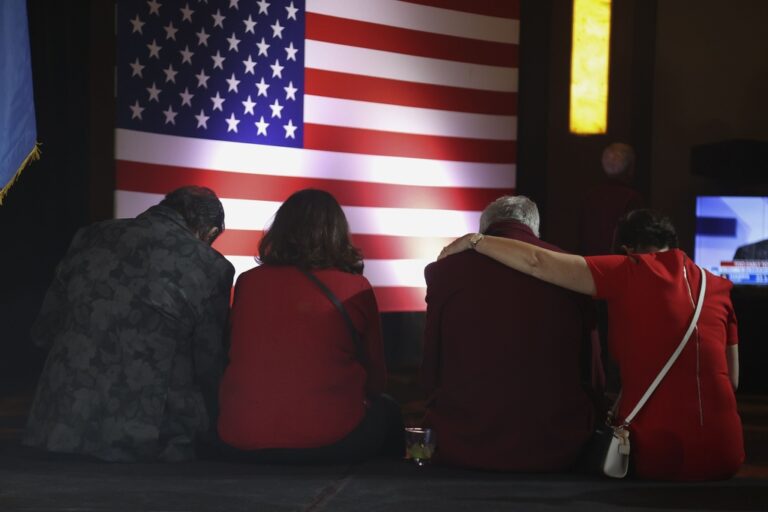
<point>683,73</point>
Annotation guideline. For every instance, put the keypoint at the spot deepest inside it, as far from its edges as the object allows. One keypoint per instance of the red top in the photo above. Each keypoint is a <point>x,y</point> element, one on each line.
<point>689,429</point>
<point>505,359</point>
<point>293,379</point>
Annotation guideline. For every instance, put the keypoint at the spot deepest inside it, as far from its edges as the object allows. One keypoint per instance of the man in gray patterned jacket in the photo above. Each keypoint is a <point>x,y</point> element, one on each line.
<point>135,320</point>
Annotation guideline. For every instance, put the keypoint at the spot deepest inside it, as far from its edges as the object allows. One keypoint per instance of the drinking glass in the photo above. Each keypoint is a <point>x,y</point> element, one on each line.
<point>419,444</point>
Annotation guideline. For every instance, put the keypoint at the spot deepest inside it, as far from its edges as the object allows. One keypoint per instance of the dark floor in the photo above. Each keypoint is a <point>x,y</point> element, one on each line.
<point>33,484</point>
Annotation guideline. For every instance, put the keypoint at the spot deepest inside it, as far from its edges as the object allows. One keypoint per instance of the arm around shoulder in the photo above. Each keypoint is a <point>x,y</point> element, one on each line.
<point>567,270</point>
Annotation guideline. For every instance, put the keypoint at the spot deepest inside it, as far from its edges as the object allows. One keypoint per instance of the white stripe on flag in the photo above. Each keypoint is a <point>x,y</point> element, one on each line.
<point>396,118</point>
<point>404,273</point>
<point>421,17</point>
<point>397,66</point>
<point>257,215</point>
<point>213,155</point>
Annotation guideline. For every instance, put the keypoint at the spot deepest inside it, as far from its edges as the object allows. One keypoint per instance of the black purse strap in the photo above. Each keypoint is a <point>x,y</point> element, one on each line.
<point>359,349</point>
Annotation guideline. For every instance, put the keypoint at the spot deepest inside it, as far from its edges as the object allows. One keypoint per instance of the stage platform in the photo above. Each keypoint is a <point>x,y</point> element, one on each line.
<point>36,484</point>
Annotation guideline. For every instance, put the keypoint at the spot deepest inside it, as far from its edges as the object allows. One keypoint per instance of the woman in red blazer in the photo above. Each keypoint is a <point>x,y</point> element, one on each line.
<point>297,388</point>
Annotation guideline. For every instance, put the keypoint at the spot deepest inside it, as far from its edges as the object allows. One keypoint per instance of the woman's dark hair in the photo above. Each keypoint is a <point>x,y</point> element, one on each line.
<point>200,208</point>
<point>643,230</point>
<point>310,231</point>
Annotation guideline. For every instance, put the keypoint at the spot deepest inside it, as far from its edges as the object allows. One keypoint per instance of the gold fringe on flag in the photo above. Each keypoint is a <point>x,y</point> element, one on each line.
<point>33,155</point>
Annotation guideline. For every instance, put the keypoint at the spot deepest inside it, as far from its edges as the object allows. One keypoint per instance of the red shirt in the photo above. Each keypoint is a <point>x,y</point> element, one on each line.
<point>505,359</point>
<point>689,429</point>
<point>293,379</point>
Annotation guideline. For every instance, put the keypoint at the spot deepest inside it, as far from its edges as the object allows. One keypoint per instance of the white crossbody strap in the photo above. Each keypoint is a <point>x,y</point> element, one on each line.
<point>675,354</point>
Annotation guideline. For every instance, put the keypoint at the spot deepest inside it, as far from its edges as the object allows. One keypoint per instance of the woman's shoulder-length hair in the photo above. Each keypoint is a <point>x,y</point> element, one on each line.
<point>310,231</point>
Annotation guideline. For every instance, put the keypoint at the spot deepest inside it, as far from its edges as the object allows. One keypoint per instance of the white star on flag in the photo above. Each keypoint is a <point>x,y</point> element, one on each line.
<point>218,60</point>
<point>202,119</point>
<point>154,50</point>
<point>218,19</point>
<point>291,52</point>
<point>170,74</point>
<point>232,123</point>
<point>154,93</point>
<point>170,115</point>
<point>136,110</point>
<point>249,64</point>
<point>277,69</point>
<point>137,24</point>
<point>154,7</point>
<point>136,67</point>
<point>249,25</point>
<point>233,83</point>
<point>170,31</point>
<point>277,109</point>
<point>186,13</point>
<point>290,91</point>
<point>261,126</point>
<point>263,47</point>
<point>248,105</point>
<point>202,37</point>
<point>263,6</point>
<point>202,79</point>
<point>290,130</point>
<point>262,86</point>
<point>277,30</point>
<point>218,102</point>
<point>186,55</point>
<point>233,43</point>
<point>186,97</point>
<point>291,11</point>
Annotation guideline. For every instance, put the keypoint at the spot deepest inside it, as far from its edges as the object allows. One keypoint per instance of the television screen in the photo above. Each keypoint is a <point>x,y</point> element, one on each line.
<point>732,237</point>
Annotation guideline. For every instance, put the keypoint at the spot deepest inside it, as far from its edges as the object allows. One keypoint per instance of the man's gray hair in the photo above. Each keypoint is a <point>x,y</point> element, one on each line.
<point>518,208</point>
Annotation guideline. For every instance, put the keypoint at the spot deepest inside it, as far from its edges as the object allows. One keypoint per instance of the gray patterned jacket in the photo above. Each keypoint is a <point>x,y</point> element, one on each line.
<point>135,321</point>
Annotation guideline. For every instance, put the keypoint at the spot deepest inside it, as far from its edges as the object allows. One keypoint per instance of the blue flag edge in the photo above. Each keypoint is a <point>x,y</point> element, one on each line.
<point>22,147</point>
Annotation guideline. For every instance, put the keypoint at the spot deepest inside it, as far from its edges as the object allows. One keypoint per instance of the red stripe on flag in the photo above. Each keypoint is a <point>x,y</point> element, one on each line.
<point>159,179</point>
<point>410,94</point>
<point>331,29</point>
<point>238,242</point>
<point>243,242</point>
<point>499,8</point>
<point>396,298</point>
<point>374,142</point>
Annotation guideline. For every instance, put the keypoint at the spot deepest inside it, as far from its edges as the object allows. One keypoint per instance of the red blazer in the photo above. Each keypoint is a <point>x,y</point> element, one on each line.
<point>294,380</point>
<point>505,357</point>
<point>690,427</point>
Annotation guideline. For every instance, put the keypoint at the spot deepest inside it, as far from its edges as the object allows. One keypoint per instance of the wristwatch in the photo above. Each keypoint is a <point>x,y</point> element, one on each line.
<point>474,240</point>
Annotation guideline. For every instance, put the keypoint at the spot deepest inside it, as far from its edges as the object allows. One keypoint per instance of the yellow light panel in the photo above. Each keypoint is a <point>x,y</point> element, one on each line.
<point>590,54</point>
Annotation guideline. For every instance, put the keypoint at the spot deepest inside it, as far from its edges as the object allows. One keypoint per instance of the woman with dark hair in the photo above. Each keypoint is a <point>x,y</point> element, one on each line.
<point>689,429</point>
<point>305,380</point>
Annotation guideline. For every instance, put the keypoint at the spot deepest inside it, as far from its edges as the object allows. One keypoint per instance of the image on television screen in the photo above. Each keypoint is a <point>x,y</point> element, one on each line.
<point>732,237</point>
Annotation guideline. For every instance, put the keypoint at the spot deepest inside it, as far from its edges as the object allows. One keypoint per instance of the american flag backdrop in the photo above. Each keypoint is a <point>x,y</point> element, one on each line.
<point>404,110</point>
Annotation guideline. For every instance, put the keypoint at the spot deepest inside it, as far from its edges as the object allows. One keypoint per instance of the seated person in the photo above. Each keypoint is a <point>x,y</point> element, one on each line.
<point>135,321</point>
<point>506,358</point>
<point>298,387</point>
